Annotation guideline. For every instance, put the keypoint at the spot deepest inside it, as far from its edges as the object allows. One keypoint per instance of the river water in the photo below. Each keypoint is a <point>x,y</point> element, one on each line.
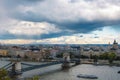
<point>55,72</point>
<point>103,73</point>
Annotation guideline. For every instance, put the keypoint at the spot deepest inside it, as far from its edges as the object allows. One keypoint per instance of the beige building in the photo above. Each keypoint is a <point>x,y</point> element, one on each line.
<point>89,52</point>
<point>115,48</point>
<point>34,55</point>
<point>3,52</point>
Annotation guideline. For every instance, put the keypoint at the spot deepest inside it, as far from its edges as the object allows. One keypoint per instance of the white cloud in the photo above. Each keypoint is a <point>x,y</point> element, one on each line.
<point>32,28</point>
<point>104,37</point>
<point>64,10</point>
<point>17,41</point>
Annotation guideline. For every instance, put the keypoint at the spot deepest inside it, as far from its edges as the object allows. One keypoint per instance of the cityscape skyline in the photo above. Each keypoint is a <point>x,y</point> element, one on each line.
<point>59,21</point>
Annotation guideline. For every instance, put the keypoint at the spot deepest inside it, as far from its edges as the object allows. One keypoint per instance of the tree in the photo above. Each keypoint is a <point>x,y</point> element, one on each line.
<point>33,78</point>
<point>36,78</point>
<point>4,75</point>
<point>104,56</point>
<point>111,57</point>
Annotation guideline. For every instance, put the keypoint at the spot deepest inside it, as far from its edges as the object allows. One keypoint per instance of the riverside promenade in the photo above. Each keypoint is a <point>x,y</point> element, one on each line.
<point>100,62</point>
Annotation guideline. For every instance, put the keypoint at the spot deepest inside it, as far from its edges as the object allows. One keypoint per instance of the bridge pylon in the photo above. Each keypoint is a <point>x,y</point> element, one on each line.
<point>66,60</point>
<point>16,69</point>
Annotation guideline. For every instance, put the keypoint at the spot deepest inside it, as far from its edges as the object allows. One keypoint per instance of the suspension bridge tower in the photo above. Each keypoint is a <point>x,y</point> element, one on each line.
<point>66,60</point>
<point>16,67</point>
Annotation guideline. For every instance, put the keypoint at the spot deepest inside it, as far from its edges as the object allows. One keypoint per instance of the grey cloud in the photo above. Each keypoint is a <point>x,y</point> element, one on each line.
<point>80,16</point>
<point>7,36</point>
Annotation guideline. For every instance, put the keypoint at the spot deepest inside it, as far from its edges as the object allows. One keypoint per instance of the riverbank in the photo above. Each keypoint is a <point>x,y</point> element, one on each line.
<point>83,61</point>
<point>100,62</point>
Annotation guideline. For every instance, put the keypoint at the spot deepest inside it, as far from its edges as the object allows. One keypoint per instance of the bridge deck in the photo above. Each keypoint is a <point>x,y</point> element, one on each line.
<point>33,66</point>
<point>40,66</point>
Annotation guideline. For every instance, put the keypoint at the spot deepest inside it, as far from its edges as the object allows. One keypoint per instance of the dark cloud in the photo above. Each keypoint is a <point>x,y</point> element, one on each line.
<point>86,27</point>
<point>53,35</point>
<point>7,36</point>
<point>77,26</point>
<point>37,37</point>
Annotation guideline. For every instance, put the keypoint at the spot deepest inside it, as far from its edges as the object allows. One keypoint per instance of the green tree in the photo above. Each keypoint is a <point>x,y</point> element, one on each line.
<point>36,78</point>
<point>104,56</point>
<point>4,75</point>
<point>111,57</point>
<point>33,78</point>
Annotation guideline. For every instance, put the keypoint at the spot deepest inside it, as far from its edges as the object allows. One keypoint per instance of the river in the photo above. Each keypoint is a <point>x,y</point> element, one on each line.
<point>103,73</point>
<point>55,73</point>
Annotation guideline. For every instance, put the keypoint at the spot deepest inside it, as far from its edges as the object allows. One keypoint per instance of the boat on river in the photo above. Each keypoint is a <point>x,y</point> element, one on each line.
<point>87,76</point>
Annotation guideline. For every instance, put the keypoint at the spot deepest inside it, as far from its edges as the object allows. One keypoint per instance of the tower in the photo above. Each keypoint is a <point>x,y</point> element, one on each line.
<point>115,44</point>
<point>66,61</point>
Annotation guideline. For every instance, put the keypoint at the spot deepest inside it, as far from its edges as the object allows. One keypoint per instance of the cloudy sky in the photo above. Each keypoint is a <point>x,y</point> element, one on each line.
<point>59,21</point>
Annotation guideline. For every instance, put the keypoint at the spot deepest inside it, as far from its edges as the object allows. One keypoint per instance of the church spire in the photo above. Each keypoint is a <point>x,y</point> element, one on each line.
<point>115,42</point>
